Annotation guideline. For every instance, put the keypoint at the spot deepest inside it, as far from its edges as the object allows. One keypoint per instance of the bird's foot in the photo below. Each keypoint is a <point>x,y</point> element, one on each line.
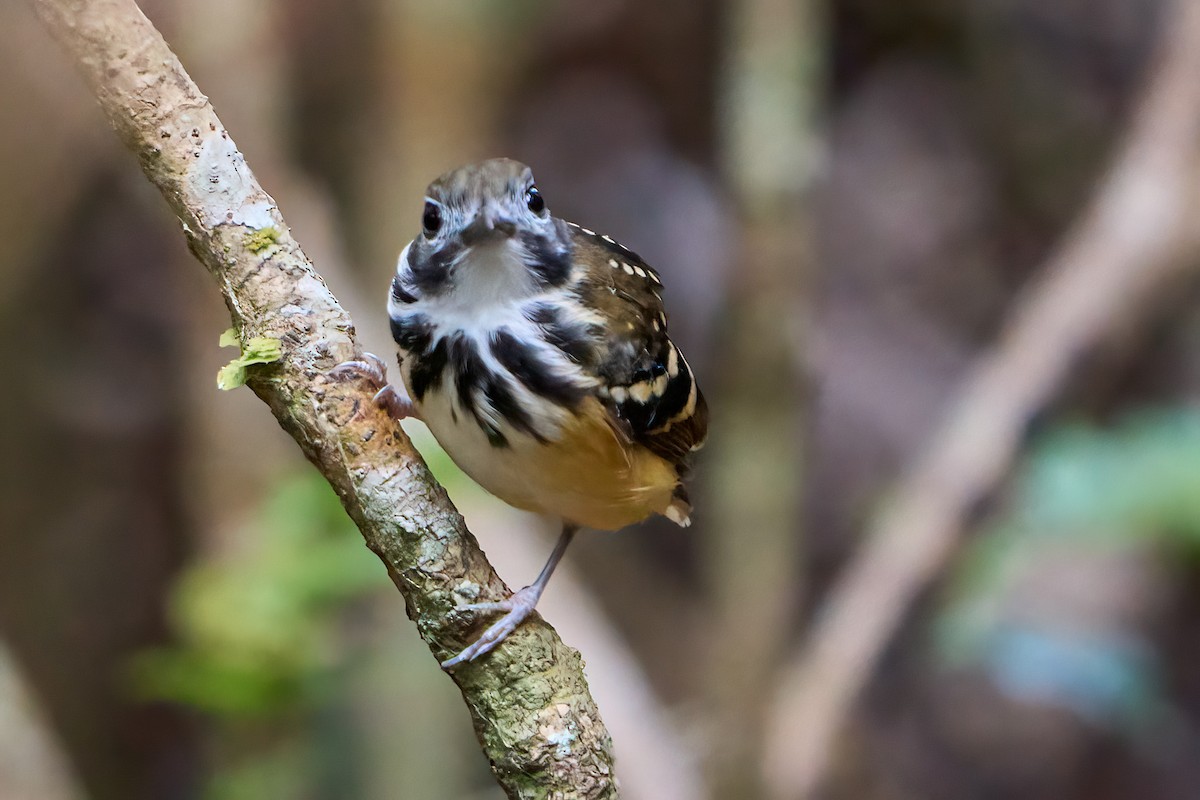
<point>371,368</point>
<point>517,609</point>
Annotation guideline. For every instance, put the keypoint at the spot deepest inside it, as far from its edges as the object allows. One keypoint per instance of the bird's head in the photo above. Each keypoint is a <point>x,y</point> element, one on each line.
<point>486,235</point>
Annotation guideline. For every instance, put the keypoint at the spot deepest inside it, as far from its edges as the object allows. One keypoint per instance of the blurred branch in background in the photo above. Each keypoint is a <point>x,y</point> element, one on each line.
<point>36,153</point>
<point>31,765</point>
<point>755,473</point>
<point>1133,244</point>
<point>552,741</point>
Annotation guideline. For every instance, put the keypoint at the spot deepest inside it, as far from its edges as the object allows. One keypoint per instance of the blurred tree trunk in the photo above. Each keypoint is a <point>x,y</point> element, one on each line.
<point>772,82</point>
<point>91,529</point>
<point>94,528</point>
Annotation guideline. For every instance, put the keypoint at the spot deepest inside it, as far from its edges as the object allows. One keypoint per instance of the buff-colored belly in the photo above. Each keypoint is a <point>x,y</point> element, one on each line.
<point>587,475</point>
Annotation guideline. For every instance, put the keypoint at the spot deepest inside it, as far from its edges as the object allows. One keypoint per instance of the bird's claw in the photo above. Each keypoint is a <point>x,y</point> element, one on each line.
<point>517,609</point>
<point>397,406</point>
<point>371,368</point>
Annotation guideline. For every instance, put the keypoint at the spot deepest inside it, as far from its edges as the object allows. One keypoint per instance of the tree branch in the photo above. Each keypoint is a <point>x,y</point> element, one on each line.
<point>529,701</point>
<point>1133,243</point>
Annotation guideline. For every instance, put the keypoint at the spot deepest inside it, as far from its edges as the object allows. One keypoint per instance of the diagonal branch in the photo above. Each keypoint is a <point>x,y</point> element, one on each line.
<point>529,702</point>
<point>1133,243</point>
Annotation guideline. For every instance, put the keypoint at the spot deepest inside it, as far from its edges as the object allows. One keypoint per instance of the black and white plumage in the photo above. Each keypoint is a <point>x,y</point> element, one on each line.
<point>537,353</point>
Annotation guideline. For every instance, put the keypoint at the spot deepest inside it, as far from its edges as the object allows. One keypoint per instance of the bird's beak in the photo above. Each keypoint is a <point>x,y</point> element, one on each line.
<point>489,225</point>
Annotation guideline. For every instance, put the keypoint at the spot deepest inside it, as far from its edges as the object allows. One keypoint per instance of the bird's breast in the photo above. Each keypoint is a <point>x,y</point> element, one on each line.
<point>531,432</point>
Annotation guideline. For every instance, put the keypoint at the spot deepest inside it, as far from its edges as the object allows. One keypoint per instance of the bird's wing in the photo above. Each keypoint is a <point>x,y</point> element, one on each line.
<point>644,380</point>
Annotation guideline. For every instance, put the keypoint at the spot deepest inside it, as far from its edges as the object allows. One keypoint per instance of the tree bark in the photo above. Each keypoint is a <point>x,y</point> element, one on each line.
<point>529,702</point>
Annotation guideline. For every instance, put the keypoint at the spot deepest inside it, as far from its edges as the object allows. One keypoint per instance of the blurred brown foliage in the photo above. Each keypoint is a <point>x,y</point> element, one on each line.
<point>953,146</point>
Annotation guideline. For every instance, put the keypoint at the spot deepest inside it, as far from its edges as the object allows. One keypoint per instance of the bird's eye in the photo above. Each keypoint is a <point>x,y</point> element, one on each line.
<point>431,220</point>
<point>533,198</point>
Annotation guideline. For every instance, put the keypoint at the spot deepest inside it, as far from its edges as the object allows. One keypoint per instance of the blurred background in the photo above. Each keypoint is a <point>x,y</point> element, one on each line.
<point>847,201</point>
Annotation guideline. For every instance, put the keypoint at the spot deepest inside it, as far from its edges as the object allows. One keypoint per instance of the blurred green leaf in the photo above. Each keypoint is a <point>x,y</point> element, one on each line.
<point>258,350</point>
<point>258,633</point>
<point>279,773</point>
<point>1082,489</point>
<point>1142,478</point>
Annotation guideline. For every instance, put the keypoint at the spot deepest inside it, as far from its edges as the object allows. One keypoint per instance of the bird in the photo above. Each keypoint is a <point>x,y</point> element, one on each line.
<point>537,353</point>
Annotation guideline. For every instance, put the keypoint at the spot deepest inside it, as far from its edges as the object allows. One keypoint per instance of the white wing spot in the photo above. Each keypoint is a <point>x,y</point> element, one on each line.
<point>628,269</point>
<point>662,317</point>
<point>654,276</point>
<point>641,272</point>
<point>673,362</point>
<point>612,262</point>
<point>608,239</point>
<point>588,232</point>
<point>618,394</point>
<point>640,391</point>
<point>690,407</point>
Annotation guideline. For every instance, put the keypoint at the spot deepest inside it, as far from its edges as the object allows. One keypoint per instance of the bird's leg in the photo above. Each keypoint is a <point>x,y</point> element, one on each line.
<point>370,367</point>
<point>517,607</point>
